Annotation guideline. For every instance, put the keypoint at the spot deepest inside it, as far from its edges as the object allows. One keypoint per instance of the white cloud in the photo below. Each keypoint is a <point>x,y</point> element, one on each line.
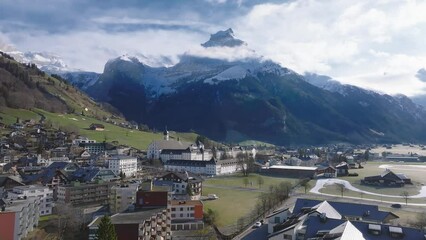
<point>374,44</point>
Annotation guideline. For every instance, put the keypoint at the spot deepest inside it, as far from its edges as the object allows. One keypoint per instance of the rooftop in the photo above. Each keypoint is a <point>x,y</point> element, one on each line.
<point>293,167</point>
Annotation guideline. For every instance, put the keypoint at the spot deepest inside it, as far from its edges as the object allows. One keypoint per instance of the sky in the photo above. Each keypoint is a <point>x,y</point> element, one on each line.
<point>377,44</point>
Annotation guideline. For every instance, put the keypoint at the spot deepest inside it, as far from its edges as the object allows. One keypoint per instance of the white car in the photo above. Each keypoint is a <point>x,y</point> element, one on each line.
<point>257,225</point>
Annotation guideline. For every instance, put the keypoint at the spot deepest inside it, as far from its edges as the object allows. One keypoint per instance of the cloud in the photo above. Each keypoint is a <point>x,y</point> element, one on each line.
<point>353,41</point>
<point>421,75</point>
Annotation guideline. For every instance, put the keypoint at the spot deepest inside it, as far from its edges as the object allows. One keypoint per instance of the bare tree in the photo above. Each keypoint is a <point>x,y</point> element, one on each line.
<point>245,163</point>
<point>245,181</point>
<point>260,181</point>
<point>341,188</point>
<point>406,196</point>
<point>305,184</point>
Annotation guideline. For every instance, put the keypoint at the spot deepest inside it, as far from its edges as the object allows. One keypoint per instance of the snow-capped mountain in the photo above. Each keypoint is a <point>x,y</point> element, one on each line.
<point>228,92</point>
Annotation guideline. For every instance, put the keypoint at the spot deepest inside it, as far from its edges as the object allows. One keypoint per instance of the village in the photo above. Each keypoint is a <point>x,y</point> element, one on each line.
<point>176,189</point>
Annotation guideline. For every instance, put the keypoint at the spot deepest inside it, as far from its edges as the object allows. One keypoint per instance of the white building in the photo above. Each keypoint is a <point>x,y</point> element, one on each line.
<point>20,217</point>
<point>155,148</point>
<point>122,197</point>
<point>43,193</point>
<point>186,215</point>
<point>81,139</point>
<point>212,167</point>
<point>124,164</point>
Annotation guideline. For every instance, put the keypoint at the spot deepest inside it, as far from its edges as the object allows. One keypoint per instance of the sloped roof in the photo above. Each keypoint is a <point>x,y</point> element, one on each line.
<point>346,209</point>
<point>328,210</point>
<point>49,172</point>
<point>171,144</point>
<point>348,231</point>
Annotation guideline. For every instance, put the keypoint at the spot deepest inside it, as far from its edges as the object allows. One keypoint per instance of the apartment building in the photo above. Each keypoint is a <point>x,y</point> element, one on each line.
<point>186,215</point>
<point>45,195</point>
<point>18,217</point>
<point>79,194</point>
<point>122,197</point>
<point>124,164</point>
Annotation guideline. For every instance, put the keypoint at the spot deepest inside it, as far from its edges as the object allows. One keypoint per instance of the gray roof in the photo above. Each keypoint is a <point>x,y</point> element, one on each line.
<point>135,217</point>
<point>171,144</point>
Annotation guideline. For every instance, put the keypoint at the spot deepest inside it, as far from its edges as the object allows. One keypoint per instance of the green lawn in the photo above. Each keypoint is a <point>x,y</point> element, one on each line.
<point>231,204</point>
<point>75,122</point>
<point>237,181</point>
<point>236,203</point>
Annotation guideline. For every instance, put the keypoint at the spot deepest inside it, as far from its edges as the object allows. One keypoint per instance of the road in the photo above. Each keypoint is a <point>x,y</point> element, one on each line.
<point>235,188</point>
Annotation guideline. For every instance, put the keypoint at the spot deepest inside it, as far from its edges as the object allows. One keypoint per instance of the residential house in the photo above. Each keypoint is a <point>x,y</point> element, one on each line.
<point>387,178</point>
<point>97,127</point>
<point>342,169</point>
<point>182,184</point>
<point>326,171</point>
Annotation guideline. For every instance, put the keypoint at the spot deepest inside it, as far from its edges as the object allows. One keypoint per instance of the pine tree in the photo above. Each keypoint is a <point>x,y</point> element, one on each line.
<point>106,230</point>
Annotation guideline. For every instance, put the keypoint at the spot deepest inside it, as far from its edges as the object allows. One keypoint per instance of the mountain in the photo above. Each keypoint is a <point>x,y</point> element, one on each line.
<point>228,92</point>
<point>26,86</point>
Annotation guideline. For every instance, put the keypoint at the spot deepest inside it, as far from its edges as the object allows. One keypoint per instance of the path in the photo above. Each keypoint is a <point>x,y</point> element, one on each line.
<point>321,183</point>
<point>235,188</point>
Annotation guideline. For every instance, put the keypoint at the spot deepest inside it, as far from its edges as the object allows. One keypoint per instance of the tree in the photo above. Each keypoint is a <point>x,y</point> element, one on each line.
<point>341,187</point>
<point>106,230</point>
<point>245,181</point>
<point>305,184</point>
<point>210,217</point>
<point>406,196</point>
<point>245,163</point>
<point>121,175</point>
<point>260,181</point>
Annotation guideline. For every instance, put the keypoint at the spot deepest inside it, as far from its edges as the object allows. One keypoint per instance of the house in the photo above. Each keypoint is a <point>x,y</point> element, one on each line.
<point>326,171</point>
<point>322,228</point>
<point>97,127</point>
<point>184,185</point>
<point>277,217</point>
<point>387,178</point>
<point>342,169</point>
<point>297,225</point>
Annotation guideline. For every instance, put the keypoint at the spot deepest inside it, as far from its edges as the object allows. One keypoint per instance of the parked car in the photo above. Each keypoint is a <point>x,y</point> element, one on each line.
<point>257,225</point>
<point>212,196</point>
<point>396,205</point>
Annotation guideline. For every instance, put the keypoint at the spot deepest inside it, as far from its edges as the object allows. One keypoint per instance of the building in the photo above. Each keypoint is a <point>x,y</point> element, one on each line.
<point>326,171</point>
<point>79,194</point>
<point>297,224</point>
<point>44,194</point>
<point>277,217</point>
<point>186,215</point>
<point>342,169</point>
<point>387,178</point>
<point>123,164</point>
<point>122,197</point>
<point>151,199</point>
<point>291,171</point>
<point>94,148</point>
<point>83,140</point>
<point>18,218</point>
<point>97,127</point>
<point>146,224</point>
<point>213,167</point>
<point>156,147</point>
<point>183,185</point>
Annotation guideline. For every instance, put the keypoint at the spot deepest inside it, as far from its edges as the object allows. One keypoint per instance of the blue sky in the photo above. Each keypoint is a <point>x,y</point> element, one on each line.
<point>373,44</point>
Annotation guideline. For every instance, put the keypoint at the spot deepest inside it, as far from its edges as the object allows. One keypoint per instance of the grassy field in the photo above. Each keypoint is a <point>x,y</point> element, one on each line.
<point>235,200</point>
<point>414,171</point>
<point>80,124</point>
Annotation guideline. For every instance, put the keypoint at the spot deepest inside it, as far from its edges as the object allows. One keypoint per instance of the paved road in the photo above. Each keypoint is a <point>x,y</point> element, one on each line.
<point>235,188</point>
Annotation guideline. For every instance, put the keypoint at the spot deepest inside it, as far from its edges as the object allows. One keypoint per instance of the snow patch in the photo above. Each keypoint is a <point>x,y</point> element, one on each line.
<point>236,72</point>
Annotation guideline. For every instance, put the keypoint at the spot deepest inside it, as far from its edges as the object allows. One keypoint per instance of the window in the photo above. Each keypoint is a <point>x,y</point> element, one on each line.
<point>277,220</point>
<point>173,215</point>
<point>173,209</point>
<point>181,209</point>
<point>181,215</point>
